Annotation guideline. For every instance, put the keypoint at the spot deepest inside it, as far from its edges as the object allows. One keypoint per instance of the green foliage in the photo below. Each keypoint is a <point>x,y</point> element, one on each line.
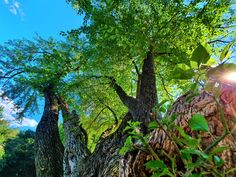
<point>18,159</point>
<point>6,133</point>
<point>159,167</point>
<point>61,133</point>
<point>29,67</point>
<point>120,32</point>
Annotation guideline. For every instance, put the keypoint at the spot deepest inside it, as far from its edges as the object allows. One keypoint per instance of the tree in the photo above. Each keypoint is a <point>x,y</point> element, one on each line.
<point>158,37</point>
<point>124,43</point>
<point>32,70</point>
<point>122,34</point>
<point>19,156</point>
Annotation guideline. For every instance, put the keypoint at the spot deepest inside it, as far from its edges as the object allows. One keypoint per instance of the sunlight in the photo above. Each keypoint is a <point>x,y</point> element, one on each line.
<point>230,76</point>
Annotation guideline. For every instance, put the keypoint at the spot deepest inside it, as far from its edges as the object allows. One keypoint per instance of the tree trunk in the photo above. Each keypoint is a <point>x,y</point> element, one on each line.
<point>76,151</point>
<point>48,146</point>
<point>104,161</point>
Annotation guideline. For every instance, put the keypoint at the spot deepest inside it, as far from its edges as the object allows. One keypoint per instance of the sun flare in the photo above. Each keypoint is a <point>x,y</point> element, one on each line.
<point>231,76</point>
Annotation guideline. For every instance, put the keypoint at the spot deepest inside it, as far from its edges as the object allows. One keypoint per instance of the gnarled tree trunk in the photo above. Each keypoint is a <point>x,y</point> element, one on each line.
<point>76,151</point>
<point>48,146</point>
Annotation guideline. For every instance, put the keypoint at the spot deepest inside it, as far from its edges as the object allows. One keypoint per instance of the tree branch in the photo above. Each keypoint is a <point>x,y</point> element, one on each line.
<point>10,77</point>
<point>164,86</point>
<point>109,108</point>
<point>127,100</point>
<point>136,68</point>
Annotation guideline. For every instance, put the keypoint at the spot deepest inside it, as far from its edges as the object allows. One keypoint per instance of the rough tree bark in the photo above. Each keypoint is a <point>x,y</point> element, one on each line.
<point>133,163</point>
<point>76,151</point>
<point>48,146</point>
<point>104,161</point>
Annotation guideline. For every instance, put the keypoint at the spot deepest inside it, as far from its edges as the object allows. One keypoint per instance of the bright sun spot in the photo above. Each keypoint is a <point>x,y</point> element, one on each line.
<point>231,76</point>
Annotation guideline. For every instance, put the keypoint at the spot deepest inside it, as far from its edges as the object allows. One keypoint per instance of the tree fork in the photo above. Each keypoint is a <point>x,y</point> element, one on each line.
<point>141,106</point>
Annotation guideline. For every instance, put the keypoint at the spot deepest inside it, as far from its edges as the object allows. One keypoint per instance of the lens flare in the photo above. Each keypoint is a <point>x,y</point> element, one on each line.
<point>230,76</point>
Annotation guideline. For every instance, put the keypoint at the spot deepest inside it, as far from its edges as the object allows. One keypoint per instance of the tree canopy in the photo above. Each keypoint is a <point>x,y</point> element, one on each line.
<point>128,56</point>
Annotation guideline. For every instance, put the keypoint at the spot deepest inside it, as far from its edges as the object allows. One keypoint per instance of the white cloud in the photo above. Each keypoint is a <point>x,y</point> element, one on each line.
<point>26,122</point>
<point>14,7</point>
<point>9,113</point>
<point>13,10</point>
<point>16,4</point>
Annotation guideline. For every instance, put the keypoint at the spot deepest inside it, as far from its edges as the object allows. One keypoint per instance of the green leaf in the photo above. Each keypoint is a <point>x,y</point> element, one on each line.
<point>152,125</point>
<point>187,140</point>
<point>182,133</point>
<point>198,122</point>
<point>228,55</point>
<point>155,164</point>
<point>194,64</point>
<point>225,53</point>
<point>162,109</point>
<point>165,172</point>
<point>195,152</point>
<point>211,62</point>
<point>200,55</point>
<point>179,73</point>
<point>128,145</point>
<point>123,150</point>
<point>161,103</point>
<point>218,150</point>
<point>183,66</point>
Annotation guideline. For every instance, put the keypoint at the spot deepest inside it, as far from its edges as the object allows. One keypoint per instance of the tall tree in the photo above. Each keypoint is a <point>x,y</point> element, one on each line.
<point>157,36</point>
<point>32,70</point>
<point>127,36</point>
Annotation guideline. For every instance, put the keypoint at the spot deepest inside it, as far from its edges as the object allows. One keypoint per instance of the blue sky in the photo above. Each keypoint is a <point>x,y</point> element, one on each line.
<point>23,19</point>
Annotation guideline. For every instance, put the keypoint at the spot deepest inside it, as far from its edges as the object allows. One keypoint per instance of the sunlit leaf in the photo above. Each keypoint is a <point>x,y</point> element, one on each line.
<point>200,55</point>
<point>198,122</point>
<point>225,53</point>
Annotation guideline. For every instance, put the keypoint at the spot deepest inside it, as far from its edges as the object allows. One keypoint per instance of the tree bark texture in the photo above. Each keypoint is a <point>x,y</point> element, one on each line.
<point>48,146</point>
<point>133,163</point>
<point>76,151</point>
<point>104,161</point>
